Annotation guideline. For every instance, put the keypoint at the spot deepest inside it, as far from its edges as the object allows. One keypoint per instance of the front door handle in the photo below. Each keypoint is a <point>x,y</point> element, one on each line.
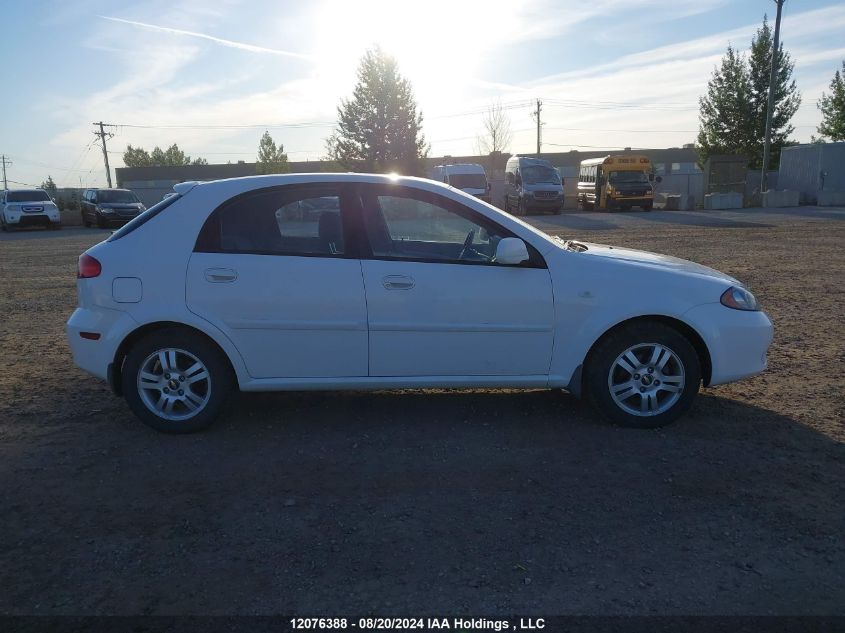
<point>220,275</point>
<point>398,282</point>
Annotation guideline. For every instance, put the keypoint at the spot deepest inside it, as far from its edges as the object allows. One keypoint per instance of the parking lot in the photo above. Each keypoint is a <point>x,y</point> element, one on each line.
<point>480,502</point>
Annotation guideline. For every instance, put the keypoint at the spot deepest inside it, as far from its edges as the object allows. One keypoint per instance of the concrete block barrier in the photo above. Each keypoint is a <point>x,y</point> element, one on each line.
<point>782,198</point>
<point>716,201</point>
<point>679,202</point>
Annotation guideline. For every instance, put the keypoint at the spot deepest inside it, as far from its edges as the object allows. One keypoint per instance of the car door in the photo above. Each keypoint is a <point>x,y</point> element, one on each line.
<point>438,303</point>
<point>273,269</point>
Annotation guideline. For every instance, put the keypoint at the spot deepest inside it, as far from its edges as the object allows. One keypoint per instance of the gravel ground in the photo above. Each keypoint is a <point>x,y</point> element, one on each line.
<point>482,502</point>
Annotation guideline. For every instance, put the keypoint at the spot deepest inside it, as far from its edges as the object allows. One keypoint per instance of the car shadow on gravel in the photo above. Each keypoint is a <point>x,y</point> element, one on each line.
<point>488,502</point>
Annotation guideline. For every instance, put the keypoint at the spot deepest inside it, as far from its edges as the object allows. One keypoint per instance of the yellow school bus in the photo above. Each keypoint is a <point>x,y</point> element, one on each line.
<point>616,182</point>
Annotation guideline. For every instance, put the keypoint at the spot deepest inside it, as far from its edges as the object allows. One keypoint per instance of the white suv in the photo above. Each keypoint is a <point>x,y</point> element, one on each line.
<point>346,281</point>
<point>20,208</point>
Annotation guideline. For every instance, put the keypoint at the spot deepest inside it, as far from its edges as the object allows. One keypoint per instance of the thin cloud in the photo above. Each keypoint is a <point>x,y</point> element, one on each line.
<point>217,40</point>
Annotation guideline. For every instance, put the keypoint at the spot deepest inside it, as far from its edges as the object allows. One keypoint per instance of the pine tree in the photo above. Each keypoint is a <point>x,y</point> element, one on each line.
<point>832,107</point>
<point>379,129</point>
<point>733,112</point>
<point>50,187</point>
<point>725,115</point>
<point>786,98</point>
<point>271,160</point>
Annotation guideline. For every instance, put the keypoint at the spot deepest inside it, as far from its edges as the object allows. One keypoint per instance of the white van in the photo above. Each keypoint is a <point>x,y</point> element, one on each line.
<point>532,184</point>
<point>468,177</point>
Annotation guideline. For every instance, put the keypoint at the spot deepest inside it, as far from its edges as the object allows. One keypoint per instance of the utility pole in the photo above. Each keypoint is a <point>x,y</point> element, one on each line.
<point>537,116</point>
<point>103,134</point>
<point>764,177</point>
<point>5,161</point>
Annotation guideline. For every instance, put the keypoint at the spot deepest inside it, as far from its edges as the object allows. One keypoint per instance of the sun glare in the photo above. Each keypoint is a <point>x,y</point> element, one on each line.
<point>439,46</point>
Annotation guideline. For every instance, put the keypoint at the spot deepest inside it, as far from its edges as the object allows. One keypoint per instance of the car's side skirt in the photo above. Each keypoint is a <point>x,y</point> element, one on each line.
<point>369,383</point>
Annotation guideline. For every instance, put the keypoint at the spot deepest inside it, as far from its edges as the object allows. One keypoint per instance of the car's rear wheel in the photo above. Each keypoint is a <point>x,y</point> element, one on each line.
<point>176,381</point>
<point>643,375</point>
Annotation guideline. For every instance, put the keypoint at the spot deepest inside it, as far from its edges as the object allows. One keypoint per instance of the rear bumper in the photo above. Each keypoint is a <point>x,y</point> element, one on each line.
<point>738,341</point>
<point>95,357</point>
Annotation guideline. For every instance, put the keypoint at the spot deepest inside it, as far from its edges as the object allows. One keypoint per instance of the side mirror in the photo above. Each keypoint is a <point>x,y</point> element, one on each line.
<point>511,251</point>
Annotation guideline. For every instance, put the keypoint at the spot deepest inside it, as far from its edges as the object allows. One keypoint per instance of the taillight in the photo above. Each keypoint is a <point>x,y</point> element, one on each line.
<point>88,267</point>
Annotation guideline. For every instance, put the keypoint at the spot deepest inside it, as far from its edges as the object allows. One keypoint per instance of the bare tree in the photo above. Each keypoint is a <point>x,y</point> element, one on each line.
<point>496,135</point>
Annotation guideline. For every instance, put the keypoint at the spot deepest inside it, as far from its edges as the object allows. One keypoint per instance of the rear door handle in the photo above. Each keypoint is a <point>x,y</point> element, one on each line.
<point>398,282</point>
<point>220,275</point>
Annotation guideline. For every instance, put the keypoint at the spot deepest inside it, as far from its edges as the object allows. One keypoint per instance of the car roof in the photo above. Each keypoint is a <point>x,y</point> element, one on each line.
<point>463,168</point>
<point>234,186</point>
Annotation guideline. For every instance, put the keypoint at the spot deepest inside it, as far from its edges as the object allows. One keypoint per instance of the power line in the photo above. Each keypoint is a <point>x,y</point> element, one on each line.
<point>595,129</point>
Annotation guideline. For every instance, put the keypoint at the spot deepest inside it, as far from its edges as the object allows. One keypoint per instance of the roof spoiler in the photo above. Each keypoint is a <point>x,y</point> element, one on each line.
<point>184,187</point>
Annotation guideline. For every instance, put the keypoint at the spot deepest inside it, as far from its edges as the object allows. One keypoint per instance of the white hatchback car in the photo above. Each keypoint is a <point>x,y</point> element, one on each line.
<point>348,281</point>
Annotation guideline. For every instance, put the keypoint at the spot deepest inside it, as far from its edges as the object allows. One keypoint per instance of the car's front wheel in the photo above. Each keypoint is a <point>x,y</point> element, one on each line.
<point>644,375</point>
<point>176,381</point>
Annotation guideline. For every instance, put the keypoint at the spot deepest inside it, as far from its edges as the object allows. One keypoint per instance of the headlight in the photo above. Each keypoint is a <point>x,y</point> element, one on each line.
<point>105,210</point>
<point>739,299</point>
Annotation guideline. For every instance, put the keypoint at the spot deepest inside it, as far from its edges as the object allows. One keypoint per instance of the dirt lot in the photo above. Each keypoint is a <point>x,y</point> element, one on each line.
<point>443,503</point>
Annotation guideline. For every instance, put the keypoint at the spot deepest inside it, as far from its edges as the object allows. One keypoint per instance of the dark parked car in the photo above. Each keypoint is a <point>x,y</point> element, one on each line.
<point>109,207</point>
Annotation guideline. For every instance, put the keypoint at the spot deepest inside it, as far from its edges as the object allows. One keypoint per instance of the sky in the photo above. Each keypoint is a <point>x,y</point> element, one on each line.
<point>212,76</point>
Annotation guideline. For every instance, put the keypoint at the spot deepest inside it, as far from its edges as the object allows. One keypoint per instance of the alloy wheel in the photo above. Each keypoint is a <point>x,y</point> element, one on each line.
<point>174,384</point>
<point>646,379</point>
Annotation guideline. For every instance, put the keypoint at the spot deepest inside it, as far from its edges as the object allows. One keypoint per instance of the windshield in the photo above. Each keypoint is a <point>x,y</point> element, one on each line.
<point>535,174</point>
<point>468,181</point>
<point>27,196</point>
<point>116,195</point>
<point>628,176</point>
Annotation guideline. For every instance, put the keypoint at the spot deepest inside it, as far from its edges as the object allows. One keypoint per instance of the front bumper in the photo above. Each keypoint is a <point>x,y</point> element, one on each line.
<point>531,202</point>
<point>632,199</point>
<point>738,341</point>
<point>114,219</point>
<point>32,219</point>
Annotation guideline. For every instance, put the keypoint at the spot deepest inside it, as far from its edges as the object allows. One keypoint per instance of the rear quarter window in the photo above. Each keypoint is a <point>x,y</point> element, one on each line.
<point>143,218</point>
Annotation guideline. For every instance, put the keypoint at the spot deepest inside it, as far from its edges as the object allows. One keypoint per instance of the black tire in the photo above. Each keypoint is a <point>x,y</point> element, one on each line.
<point>603,359</point>
<point>101,224</point>
<point>219,384</point>
<point>558,210</point>
<point>648,206</point>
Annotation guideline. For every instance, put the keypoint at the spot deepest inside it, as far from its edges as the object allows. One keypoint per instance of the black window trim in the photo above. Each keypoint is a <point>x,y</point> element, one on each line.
<point>535,258</point>
<point>208,239</point>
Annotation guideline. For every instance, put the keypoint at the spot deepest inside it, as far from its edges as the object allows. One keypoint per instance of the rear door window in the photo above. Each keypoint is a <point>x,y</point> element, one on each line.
<point>292,220</point>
